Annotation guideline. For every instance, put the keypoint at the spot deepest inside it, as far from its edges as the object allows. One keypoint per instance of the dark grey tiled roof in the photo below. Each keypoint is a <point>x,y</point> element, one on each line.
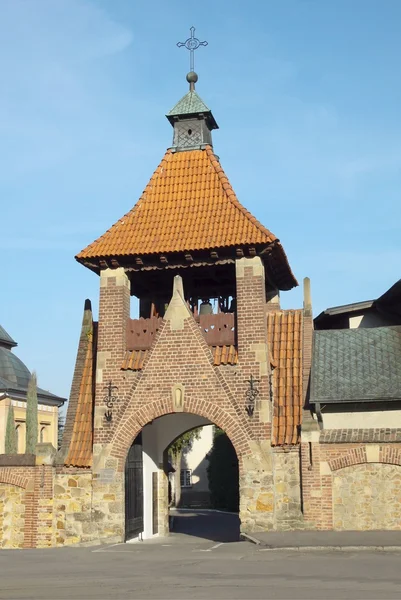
<point>6,339</point>
<point>356,365</point>
<point>13,369</point>
<point>189,104</point>
<point>15,376</point>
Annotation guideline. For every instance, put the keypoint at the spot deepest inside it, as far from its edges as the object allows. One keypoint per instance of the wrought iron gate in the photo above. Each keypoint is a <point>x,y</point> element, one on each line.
<point>134,490</point>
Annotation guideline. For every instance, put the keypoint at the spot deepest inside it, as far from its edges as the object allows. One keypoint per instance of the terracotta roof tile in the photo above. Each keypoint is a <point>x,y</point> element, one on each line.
<point>80,447</point>
<point>187,205</point>
<point>222,355</point>
<point>284,332</point>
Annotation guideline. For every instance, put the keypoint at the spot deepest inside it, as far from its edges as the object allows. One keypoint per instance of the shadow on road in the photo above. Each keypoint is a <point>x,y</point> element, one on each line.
<point>210,525</point>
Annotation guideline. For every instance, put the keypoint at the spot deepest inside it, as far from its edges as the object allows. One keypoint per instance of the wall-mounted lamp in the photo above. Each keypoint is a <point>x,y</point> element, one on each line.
<point>250,396</point>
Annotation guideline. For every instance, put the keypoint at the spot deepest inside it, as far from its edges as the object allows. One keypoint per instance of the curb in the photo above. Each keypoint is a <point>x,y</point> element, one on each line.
<point>267,548</point>
<point>249,538</point>
<point>264,547</point>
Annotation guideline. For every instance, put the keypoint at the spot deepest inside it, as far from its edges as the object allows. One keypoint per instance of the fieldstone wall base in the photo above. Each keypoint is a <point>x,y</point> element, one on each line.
<point>12,516</point>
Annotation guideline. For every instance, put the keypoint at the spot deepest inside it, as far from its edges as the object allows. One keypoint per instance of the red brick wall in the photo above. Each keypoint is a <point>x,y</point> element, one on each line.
<point>180,356</point>
<point>252,331</point>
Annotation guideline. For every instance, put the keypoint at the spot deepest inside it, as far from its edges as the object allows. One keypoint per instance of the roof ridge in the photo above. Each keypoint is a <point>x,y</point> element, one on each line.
<point>134,208</point>
<point>6,338</point>
<point>231,195</point>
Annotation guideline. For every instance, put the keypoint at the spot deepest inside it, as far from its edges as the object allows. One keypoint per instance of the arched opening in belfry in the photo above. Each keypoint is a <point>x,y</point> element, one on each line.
<point>182,477</point>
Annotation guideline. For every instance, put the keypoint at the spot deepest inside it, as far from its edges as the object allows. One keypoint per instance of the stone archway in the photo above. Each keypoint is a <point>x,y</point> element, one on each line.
<point>128,429</point>
<point>156,438</point>
<point>256,485</point>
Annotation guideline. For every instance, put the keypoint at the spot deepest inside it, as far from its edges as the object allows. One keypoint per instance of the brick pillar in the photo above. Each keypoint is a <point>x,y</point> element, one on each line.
<point>257,493</point>
<point>114,311</point>
<point>252,332</point>
<point>310,450</point>
<point>273,301</point>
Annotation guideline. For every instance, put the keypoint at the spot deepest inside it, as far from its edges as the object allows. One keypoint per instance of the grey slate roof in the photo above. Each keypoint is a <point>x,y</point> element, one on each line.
<point>15,376</point>
<point>356,365</point>
<point>189,104</point>
<point>6,339</point>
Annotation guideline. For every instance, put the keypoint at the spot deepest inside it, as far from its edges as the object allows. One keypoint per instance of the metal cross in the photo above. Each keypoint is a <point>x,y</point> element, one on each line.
<point>192,44</point>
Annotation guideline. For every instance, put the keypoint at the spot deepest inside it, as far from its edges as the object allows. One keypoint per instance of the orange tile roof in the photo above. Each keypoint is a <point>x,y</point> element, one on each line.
<point>225,355</point>
<point>284,332</point>
<point>222,355</point>
<point>187,205</point>
<point>80,447</point>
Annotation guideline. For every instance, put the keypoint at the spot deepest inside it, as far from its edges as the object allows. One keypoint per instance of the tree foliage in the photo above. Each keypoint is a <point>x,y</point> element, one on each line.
<point>184,442</point>
<point>31,416</point>
<point>11,433</point>
<point>223,473</point>
<point>60,429</point>
<point>175,451</point>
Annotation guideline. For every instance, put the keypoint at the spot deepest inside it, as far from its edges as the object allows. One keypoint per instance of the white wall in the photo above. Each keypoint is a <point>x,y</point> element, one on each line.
<point>362,419</point>
<point>195,459</point>
<point>371,319</point>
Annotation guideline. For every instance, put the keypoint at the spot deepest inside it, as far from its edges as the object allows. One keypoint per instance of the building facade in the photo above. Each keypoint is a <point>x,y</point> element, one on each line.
<point>14,380</point>
<point>210,345</point>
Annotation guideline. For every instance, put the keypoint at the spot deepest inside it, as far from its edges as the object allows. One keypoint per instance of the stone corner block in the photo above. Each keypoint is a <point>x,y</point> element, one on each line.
<point>255,262</point>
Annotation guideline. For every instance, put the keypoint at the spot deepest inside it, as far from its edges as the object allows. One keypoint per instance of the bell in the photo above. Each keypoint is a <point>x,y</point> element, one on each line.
<point>205,308</point>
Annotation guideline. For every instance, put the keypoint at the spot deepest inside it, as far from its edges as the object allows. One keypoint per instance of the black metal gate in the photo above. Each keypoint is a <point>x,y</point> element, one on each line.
<point>134,490</point>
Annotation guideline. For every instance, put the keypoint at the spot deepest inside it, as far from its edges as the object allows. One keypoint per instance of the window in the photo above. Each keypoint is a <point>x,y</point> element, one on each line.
<point>186,478</point>
<point>42,435</point>
<point>17,432</point>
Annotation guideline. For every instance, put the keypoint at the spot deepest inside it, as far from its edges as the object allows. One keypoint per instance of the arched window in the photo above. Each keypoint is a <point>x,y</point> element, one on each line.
<point>17,435</point>
<point>42,435</point>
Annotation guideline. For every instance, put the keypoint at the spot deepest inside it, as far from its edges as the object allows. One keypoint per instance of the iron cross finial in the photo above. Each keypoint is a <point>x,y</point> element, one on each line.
<point>191,44</point>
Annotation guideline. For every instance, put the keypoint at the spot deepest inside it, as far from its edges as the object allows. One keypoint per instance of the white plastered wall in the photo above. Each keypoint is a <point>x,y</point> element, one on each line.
<point>195,459</point>
<point>374,419</point>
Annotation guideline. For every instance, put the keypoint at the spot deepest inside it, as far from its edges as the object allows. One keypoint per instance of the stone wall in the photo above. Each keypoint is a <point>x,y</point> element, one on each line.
<point>73,518</point>
<point>287,487</point>
<point>330,471</point>
<point>12,516</point>
<point>367,496</point>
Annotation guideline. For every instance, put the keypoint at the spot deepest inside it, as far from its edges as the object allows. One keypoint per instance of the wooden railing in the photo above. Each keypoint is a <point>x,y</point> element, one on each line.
<point>218,330</point>
<point>141,332</point>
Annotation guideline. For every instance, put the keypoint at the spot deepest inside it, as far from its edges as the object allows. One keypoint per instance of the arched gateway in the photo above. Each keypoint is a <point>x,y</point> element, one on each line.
<point>207,275</point>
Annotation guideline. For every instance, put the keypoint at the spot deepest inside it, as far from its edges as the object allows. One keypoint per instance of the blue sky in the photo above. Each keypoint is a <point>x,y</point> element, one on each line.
<point>307,95</point>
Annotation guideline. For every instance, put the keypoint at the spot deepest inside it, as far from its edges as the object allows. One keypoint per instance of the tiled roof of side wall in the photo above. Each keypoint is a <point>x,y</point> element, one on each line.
<point>78,439</point>
<point>284,332</point>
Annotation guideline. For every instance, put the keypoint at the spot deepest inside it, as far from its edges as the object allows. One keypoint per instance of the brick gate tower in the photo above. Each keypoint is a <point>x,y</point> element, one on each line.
<point>210,338</point>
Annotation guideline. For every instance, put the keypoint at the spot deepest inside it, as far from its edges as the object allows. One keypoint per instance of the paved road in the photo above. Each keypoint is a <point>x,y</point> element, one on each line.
<point>185,566</point>
<point>207,524</point>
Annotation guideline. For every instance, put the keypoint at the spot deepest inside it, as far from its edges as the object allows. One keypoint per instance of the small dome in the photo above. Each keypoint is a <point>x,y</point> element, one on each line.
<point>13,369</point>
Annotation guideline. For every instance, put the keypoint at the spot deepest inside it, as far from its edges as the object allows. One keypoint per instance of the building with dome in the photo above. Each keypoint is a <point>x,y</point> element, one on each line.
<point>14,380</point>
